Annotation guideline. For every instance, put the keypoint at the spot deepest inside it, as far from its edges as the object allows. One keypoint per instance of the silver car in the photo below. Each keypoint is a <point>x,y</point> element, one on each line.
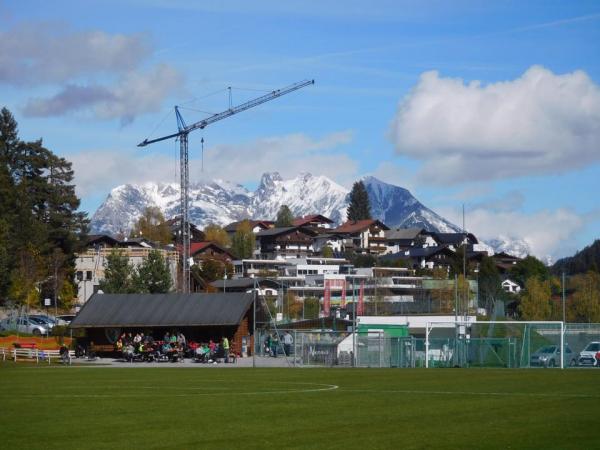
<point>25,325</point>
<point>549,356</point>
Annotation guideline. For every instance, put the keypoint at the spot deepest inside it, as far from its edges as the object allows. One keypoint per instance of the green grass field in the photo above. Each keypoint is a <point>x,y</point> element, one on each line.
<point>189,408</point>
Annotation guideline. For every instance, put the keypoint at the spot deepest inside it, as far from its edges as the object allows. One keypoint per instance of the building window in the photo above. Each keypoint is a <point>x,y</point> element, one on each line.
<point>88,275</point>
<point>79,275</point>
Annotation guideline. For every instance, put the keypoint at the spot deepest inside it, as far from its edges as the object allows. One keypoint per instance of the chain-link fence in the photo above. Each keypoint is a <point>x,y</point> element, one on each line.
<point>477,344</point>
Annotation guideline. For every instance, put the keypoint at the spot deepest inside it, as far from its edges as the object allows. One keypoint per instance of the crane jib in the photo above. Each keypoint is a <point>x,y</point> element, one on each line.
<point>230,112</point>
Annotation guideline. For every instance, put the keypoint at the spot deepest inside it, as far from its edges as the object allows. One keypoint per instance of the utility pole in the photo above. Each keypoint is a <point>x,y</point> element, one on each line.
<point>182,134</point>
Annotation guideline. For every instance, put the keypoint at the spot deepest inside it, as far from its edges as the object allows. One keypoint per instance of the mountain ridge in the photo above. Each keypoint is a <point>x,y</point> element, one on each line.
<point>222,202</point>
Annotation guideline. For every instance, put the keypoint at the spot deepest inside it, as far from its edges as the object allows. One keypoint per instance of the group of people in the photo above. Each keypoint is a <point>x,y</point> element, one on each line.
<point>272,344</point>
<point>212,351</point>
<point>173,347</point>
<point>143,347</point>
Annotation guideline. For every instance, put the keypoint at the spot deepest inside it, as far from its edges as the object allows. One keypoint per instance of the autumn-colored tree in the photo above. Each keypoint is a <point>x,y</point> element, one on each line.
<point>243,242</point>
<point>215,233</point>
<point>311,308</point>
<point>584,305</point>
<point>152,226</point>
<point>443,293</point>
<point>327,252</point>
<point>535,300</point>
<point>292,307</point>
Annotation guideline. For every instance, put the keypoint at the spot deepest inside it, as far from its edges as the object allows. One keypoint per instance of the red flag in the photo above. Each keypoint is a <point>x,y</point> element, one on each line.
<point>326,299</point>
<point>361,298</point>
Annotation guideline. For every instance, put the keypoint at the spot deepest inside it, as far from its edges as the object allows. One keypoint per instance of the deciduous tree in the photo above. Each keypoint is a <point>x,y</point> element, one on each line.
<point>215,233</point>
<point>535,300</point>
<point>152,226</point>
<point>242,244</point>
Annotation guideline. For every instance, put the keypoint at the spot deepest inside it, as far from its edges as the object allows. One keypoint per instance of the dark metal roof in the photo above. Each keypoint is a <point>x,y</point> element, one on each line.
<point>162,310</point>
<point>403,233</point>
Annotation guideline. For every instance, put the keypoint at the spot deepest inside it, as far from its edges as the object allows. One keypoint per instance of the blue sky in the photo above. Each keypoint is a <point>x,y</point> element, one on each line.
<point>494,105</point>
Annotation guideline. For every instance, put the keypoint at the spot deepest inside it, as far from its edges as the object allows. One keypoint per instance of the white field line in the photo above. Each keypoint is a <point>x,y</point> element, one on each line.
<point>324,387</point>
<point>496,394</point>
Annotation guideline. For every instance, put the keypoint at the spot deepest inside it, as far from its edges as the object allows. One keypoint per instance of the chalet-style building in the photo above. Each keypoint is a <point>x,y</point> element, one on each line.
<point>424,257</point>
<point>313,220</point>
<point>455,240</point>
<point>89,263</point>
<point>511,287</point>
<point>363,236</point>
<point>406,238</point>
<point>505,262</point>
<point>256,225</point>
<point>196,235</point>
<point>209,250</point>
<point>286,242</point>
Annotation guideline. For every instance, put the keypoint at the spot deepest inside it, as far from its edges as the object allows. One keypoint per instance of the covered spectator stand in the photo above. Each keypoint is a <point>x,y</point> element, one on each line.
<point>200,317</point>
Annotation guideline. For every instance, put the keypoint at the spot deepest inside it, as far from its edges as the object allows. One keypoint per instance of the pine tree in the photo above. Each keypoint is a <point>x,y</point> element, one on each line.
<point>153,275</point>
<point>38,210</point>
<point>118,274</point>
<point>284,217</point>
<point>359,207</point>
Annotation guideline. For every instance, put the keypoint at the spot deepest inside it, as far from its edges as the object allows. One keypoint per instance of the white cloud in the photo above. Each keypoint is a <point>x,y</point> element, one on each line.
<point>539,123</point>
<point>39,53</point>
<point>547,233</point>
<point>288,155</point>
<point>134,94</point>
<point>98,171</point>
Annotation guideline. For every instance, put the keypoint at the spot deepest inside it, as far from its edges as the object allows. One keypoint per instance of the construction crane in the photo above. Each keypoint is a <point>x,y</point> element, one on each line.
<point>182,134</point>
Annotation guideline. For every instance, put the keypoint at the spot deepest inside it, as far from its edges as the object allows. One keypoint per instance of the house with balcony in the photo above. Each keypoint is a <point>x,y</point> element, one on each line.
<point>313,220</point>
<point>363,236</point>
<point>286,242</point>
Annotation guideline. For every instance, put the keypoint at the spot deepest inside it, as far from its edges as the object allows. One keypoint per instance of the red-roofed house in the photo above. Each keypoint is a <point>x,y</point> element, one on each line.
<point>363,236</point>
<point>313,220</point>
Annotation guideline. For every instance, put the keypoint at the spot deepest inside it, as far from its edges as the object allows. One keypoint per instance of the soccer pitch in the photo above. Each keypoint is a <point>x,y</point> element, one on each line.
<point>188,408</point>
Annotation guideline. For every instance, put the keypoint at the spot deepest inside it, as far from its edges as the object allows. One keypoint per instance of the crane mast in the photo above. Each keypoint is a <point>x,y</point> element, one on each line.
<point>182,134</point>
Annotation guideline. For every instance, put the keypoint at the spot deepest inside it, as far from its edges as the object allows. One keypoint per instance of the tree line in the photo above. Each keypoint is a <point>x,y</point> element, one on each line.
<point>40,225</point>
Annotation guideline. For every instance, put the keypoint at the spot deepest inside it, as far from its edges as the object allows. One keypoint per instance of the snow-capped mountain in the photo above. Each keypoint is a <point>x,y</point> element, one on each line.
<point>222,202</point>
<point>397,208</point>
<point>512,246</point>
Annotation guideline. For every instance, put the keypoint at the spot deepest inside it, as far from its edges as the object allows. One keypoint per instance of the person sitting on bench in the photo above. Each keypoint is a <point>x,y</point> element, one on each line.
<point>64,354</point>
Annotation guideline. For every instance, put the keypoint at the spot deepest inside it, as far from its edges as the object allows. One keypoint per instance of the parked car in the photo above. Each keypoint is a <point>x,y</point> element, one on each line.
<point>44,320</point>
<point>549,356</point>
<point>587,357</point>
<point>25,325</point>
<point>65,319</point>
